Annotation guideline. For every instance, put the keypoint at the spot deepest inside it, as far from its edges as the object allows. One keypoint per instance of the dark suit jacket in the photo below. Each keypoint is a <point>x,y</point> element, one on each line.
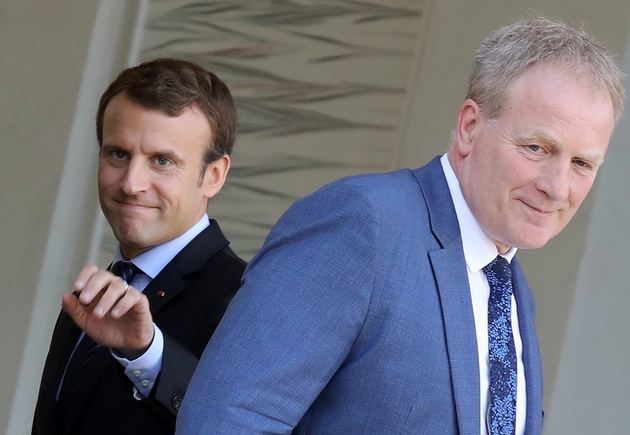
<point>356,318</point>
<point>197,286</point>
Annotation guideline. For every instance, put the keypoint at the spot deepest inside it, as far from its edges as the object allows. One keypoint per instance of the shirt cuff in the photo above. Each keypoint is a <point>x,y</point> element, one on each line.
<point>143,371</point>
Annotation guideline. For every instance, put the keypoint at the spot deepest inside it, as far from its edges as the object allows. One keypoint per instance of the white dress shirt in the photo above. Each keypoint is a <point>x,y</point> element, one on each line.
<point>143,371</point>
<point>479,250</point>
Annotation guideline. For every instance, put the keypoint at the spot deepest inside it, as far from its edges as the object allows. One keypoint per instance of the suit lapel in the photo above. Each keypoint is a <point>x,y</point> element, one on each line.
<point>170,281</point>
<point>449,268</point>
<point>531,354</point>
<point>64,338</point>
<point>461,341</point>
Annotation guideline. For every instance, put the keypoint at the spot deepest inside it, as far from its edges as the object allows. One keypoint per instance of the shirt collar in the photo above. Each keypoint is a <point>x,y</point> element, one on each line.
<point>479,249</point>
<point>152,262</point>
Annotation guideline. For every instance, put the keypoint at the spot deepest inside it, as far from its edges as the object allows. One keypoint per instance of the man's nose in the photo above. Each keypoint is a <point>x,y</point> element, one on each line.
<point>136,178</point>
<point>555,180</point>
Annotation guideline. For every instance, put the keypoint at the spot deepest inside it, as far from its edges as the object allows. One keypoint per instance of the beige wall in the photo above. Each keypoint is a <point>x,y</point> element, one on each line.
<point>57,57</point>
<point>43,47</point>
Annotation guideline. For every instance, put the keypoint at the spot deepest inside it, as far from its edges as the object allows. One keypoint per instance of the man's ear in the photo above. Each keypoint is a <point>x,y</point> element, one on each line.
<point>215,175</point>
<point>468,123</point>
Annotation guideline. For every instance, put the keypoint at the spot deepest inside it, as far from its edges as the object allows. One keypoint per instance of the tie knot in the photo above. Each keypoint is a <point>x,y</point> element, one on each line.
<point>498,273</point>
<point>125,269</point>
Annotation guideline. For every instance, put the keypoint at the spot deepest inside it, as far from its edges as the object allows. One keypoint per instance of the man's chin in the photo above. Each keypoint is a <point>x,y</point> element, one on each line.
<point>533,242</point>
<point>529,237</point>
<point>132,241</point>
<point>130,251</point>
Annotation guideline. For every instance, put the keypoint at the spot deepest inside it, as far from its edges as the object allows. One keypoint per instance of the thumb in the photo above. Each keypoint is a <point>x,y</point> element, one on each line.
<point>71,305</point>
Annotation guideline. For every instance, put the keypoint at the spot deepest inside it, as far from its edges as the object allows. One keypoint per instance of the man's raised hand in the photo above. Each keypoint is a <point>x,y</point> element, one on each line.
<point>111,312</point>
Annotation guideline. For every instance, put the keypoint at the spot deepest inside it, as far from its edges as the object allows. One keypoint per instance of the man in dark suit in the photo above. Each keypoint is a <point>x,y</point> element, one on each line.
<point>129,338</point>
<point>393,303</point>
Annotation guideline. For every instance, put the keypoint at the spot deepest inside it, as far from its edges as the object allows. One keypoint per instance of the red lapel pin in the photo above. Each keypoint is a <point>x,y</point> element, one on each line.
<point>160,293</point>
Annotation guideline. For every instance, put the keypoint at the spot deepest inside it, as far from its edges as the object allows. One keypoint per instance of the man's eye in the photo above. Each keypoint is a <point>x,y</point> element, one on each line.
<point>162,161</point>
<point>535,148</point>
<point>117,154</point>
<point>581,163</point>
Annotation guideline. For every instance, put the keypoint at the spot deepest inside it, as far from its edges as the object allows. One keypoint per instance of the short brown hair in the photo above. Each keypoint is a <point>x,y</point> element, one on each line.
<point>171,86</point>
<point>512,50</point>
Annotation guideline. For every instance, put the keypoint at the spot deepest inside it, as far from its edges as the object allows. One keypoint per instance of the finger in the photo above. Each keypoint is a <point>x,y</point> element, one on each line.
<point>70,304</point>
<point>132,299</point>
<point>84,276</point>
<point>98,282</point>
<point>115,290</point>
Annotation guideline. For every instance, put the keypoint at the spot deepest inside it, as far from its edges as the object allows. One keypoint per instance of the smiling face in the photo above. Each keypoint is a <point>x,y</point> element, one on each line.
<point>150,181</point>
<point>525,174</point>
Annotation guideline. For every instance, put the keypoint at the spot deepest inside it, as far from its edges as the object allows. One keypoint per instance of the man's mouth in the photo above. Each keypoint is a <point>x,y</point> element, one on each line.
<point>133,205</point>
<point>539,209</point>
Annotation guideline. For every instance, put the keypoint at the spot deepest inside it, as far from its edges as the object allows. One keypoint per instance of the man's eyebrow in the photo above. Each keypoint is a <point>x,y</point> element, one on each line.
<point>539,136</point>
<point>171,155</point>
<point>595,158</point>
<point>111,145</point>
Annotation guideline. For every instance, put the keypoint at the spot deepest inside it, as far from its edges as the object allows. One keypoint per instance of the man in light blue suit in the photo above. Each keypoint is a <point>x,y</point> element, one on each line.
<point>370,310</point>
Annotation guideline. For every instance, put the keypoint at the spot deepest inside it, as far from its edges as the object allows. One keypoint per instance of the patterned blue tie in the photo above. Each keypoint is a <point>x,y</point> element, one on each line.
<point>125,269</point>
<point>501,349</point>
<point>83,354</point>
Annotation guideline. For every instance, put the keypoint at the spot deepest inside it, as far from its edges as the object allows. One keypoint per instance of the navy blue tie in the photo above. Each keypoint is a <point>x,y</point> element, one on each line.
<point>83,354</point>
<point>501,349</point>
<point>125,269</point>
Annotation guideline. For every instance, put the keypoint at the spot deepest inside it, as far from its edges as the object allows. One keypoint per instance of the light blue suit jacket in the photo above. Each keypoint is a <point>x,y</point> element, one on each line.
<point>355,318</point>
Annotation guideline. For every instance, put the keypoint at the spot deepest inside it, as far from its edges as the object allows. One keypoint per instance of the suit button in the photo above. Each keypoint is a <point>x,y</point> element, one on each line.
<point>176,402</point>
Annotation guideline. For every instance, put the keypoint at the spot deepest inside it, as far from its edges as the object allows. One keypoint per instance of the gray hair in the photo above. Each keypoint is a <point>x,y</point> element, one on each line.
<point>512,50</point>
